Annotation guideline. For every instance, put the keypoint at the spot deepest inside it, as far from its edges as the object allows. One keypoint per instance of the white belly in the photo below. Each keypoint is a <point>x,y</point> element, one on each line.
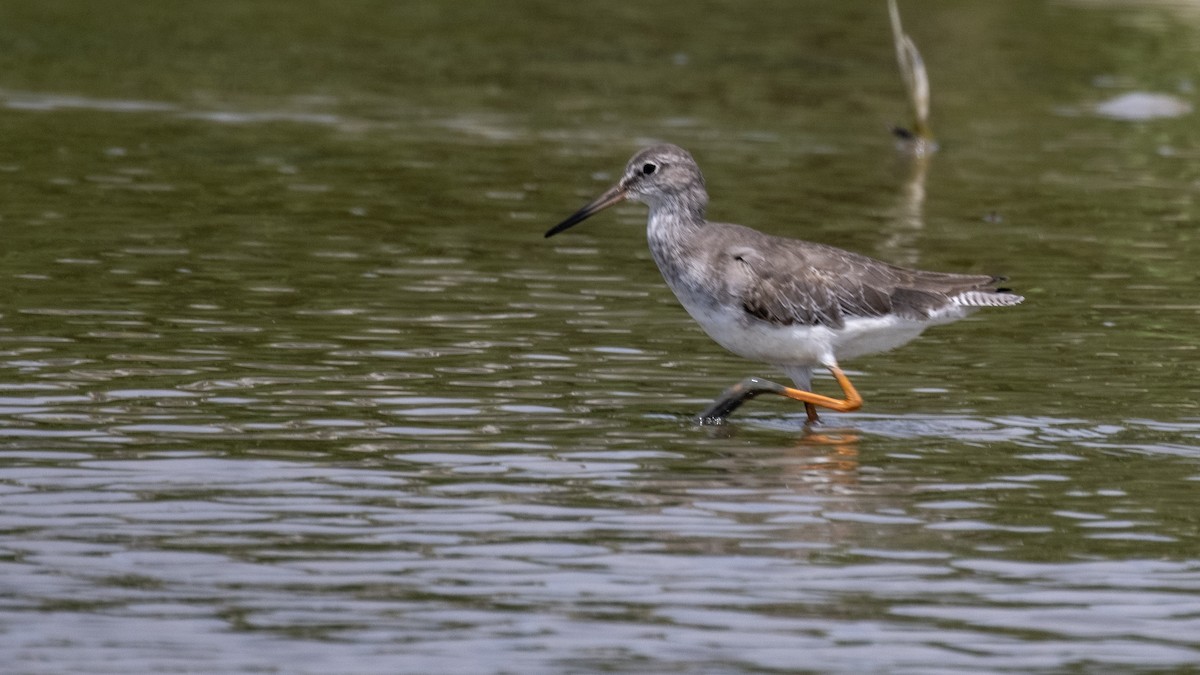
<point>803,345</point>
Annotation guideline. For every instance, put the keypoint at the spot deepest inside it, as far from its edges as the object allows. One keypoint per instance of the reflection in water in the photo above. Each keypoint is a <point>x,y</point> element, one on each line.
<point>840,448</point>
<point>901,241</point>
<point>829,456</point>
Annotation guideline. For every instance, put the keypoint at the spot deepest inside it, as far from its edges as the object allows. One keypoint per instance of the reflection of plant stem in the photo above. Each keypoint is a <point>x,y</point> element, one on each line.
<point>918,140</point>
<point>908,219</point>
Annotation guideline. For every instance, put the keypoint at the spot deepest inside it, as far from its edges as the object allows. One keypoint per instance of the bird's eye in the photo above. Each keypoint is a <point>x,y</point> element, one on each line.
<point>648,168</point>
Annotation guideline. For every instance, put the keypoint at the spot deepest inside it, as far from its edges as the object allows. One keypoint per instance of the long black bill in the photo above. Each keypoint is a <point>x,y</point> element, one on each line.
<point>614,195</point>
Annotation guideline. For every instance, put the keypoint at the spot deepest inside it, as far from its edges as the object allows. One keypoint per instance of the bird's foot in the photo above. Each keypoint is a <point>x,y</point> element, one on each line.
<point>733,398</point>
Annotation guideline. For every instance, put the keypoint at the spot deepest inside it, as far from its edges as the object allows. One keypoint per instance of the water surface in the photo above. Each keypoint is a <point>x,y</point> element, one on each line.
<point>290,381</point>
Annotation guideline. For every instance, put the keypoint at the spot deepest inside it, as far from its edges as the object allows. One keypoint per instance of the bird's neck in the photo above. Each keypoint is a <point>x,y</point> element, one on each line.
<point>677,216</point>
<point>671,232</point>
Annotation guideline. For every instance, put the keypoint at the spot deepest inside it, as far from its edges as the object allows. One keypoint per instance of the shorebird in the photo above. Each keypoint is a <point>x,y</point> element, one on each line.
<point>793,304</point>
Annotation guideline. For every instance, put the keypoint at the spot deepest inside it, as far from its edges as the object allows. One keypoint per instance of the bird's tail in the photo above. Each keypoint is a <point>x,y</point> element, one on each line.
<point>991,297</point>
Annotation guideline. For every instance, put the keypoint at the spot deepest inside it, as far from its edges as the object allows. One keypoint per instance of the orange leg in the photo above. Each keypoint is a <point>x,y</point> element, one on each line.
<point>751,387</point>
<point>852,401</point>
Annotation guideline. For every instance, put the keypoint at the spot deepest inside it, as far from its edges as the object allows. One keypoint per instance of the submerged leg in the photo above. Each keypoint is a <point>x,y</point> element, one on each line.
<point>732,398</point>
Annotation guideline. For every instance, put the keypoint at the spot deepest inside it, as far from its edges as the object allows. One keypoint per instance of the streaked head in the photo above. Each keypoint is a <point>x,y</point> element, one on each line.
<point>654,174</point>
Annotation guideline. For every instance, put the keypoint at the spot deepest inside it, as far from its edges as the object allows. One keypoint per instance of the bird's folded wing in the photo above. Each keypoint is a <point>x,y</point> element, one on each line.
<point>826,286</point>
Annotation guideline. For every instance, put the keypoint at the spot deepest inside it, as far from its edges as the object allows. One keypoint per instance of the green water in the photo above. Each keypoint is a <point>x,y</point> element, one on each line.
<point>291,382</point>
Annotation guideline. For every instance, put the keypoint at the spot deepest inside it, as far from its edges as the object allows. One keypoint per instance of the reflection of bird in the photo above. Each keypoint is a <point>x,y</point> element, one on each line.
<point>786,302</point>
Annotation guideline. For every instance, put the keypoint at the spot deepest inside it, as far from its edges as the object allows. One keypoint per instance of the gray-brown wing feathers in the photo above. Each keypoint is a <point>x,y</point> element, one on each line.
<point>786,282</point>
